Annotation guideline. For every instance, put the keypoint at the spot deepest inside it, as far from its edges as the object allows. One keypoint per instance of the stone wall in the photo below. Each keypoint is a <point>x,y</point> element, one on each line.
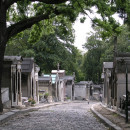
<point>5,94</point>
<point>80,91</point>
<point>5,98</point>
<point>121,86</point>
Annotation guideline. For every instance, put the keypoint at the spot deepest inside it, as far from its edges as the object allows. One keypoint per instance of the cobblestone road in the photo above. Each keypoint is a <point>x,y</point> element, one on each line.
<point>72,116</point>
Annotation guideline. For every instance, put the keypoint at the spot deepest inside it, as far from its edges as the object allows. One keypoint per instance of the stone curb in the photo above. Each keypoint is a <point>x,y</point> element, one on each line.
<point>121,114</point>
<point>105,120</point>
<point>8,115</point>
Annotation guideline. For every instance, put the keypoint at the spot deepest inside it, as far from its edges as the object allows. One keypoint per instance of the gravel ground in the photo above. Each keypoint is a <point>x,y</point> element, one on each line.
<point>72,116</point>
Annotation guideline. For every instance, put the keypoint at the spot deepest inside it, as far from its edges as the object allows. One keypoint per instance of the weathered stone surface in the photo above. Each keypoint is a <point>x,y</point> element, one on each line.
<point>72,116</point>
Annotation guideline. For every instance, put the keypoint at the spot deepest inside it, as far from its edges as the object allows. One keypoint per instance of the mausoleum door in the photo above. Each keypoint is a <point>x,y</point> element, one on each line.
<point>72,91</point>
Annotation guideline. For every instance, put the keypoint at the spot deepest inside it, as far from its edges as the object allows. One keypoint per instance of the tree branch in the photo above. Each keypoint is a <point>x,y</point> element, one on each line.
<point>27,23</point>
<point>86,13</point>
<point>24,24</point>
<point>10,2</point>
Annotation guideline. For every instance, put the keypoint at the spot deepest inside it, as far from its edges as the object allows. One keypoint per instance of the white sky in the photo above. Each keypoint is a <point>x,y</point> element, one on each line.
<point>82,30</point>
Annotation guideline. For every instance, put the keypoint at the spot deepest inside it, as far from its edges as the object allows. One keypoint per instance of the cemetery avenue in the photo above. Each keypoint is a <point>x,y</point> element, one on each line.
<point>47,83</point>
<point>71,116</point>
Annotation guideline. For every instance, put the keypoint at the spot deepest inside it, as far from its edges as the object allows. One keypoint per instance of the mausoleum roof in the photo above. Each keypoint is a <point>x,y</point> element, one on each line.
<point>108,65</point>
<point>86,82</point>
<point>12,58</point>
<point>58,71</point>
<point>27,64</point>
<point>69,77</point>
<point>96,86</point>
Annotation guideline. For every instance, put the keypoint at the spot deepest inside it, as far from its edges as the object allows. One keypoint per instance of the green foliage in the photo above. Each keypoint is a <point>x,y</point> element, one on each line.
<point>28,53</point>
<point>123,8</point>
<point>46,95</point>
<point>124,40</point>
<point>48,49</point>
<point>16,12</point>
<point>110,27</point>
<point>31,100</point>
<point>35,33</point>
<point>82,19</point>
<point>100,50</point>
<point>106,9</point>
<point>50,41</point>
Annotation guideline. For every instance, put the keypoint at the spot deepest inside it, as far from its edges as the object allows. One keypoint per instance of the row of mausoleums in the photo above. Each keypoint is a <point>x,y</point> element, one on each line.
<point>62,87</point>
<point>114,75</point>
<point>20,82</point>
<point>59,86</point>
<point>87,90</point>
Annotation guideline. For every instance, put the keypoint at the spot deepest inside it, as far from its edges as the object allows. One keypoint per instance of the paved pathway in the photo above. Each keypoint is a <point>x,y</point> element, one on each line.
<point>72,116</point>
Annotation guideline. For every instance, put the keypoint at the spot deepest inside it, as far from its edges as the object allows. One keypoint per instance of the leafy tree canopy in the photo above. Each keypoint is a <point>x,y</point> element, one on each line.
<point>100,50</point>
<point>51,48</point>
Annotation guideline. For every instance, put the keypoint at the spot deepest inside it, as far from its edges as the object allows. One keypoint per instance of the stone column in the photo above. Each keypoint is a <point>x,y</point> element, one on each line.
<point>13,85</point>
<point>37,95</point>
<point>72,90</point>
<point>87,93</point>
<point>19,93</point>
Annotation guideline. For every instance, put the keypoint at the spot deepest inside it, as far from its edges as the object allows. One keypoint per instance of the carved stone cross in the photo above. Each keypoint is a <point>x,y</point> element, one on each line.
<point>58,66</point>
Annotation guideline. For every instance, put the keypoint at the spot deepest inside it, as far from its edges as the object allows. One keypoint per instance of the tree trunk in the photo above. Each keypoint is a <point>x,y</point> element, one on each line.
<point>2,50</point>
<point>114,69</point>
<point>3,40</point>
